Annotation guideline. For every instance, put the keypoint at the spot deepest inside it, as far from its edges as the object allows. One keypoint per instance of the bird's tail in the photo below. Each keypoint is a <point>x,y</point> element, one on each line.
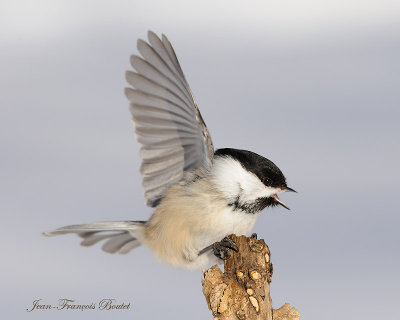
<point>121,236</point>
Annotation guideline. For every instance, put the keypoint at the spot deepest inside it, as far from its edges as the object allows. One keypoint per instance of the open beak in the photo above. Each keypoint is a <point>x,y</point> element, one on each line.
<point>275,196</point>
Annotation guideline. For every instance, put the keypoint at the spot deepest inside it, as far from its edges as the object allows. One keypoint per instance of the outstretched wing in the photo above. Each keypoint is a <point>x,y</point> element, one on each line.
<point>167,121</point>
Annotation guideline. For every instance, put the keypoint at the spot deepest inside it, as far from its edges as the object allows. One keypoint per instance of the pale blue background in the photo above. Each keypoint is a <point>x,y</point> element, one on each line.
<point>312,85</point>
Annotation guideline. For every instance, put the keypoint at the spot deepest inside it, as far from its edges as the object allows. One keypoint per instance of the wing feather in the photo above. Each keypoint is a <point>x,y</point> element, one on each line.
<point>147,70</point>
<point>148,99</point>
<point>146,85</point>
<point>167,121</point>
<point>160,167</point>
<point>160,48</point>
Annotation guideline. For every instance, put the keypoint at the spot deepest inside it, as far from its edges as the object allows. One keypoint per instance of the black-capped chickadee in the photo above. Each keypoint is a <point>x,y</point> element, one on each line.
<point>200,196</point>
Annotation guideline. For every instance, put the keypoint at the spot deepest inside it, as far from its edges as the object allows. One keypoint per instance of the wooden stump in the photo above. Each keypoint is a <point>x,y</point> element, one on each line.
<point>242,291</point>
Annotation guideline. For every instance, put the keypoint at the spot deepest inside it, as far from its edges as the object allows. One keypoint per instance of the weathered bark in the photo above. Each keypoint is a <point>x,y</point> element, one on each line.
<point>242,291</point>
<point>286,313</point>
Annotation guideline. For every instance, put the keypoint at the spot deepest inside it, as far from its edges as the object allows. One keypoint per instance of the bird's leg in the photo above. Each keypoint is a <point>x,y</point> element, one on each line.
<point>221,248</point>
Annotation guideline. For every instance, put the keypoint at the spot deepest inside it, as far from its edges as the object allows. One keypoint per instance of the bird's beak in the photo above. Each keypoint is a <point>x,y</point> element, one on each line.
<point>275,196</point>
<point>287,189</point>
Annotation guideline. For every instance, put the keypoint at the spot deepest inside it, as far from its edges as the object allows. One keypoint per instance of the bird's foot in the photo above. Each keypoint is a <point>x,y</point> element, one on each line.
<point>254,236</point>
<point>221,248</point>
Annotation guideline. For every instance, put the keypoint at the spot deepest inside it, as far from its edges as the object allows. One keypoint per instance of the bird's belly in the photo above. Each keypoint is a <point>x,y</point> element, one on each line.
<point>221,224</point>
<point>177,236</point>
<point>225,223</point>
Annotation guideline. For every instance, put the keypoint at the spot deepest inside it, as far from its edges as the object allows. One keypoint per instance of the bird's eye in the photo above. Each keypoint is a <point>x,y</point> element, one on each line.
<point>267,181</point>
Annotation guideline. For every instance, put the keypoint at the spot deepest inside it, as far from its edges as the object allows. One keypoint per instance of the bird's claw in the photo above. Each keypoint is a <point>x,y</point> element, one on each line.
<point>254,236</point>
<point>221,248</point>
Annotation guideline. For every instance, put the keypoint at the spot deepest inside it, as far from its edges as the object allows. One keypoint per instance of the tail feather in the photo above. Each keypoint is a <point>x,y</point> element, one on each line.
<point>117,242</point>
<point>127,247</point>
<point>121,236</point>
<point>91,238</point>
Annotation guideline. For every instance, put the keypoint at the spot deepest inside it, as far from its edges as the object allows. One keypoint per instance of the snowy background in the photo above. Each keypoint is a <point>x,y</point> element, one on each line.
<point>311,85</point>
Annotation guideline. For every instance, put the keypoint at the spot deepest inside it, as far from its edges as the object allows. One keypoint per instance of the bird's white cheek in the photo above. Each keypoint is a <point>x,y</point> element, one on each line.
<point>254,191</point>
<point>269,192</point>
<point>234,181</point>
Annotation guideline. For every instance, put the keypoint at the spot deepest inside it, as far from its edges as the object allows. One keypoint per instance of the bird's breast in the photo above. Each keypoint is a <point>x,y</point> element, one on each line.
<point>230,221</point>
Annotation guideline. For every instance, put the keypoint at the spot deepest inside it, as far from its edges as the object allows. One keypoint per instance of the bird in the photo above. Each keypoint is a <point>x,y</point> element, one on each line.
<point>199,195</point>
